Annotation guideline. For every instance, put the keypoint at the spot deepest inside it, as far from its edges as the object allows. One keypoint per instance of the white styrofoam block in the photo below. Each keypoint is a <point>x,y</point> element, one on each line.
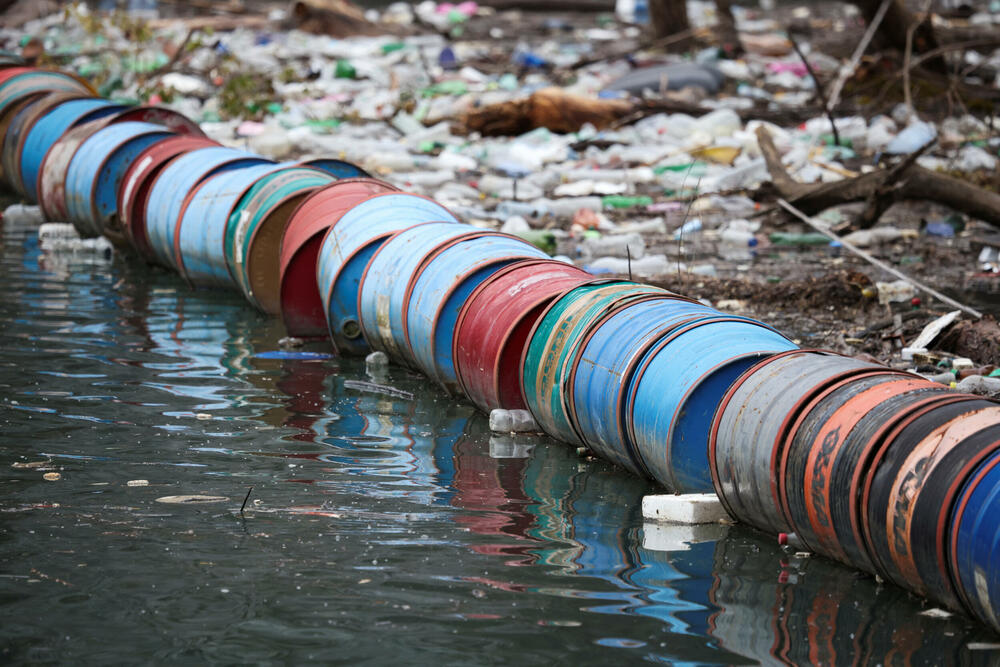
<point>506,447</point>
<point>679,537</point>
<point>691,508</point>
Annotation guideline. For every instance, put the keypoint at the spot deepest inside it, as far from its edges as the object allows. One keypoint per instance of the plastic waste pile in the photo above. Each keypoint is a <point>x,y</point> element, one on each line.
<point>881,469</point>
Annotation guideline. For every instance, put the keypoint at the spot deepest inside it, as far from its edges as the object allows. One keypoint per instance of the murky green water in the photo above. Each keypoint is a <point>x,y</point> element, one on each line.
<point>380,529</point>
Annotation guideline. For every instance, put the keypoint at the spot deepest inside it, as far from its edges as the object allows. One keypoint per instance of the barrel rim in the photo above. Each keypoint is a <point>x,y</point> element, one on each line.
<point>872,456</point>
<point>713,435</point>
<point>79,134</point>
<point>426,261</point>
<point>585,340</point>
<point>800,410</point>
<point>476,293</point>
<point>957,517</point>
<point>104,161</point>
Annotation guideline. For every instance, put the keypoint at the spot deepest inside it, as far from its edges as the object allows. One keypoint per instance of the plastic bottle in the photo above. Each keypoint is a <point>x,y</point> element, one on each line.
<point>617,245</point>
<point>737,245</point>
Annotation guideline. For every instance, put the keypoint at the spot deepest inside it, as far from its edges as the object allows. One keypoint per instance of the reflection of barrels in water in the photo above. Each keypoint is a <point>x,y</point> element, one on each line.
<point>492,490</point>
<point>548,484</point>
<point>781,610</point>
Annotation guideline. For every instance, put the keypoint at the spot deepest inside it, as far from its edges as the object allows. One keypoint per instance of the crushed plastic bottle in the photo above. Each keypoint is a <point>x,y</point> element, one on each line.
<point>20,215</point>
<point>617,245</point>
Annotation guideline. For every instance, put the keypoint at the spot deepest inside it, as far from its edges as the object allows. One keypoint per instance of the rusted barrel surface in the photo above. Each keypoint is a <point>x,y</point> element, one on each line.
<point>824,454</point>
<point>301,303</point>
<point>917,475</point>
<point>749,427</point>
<point>494,324</point>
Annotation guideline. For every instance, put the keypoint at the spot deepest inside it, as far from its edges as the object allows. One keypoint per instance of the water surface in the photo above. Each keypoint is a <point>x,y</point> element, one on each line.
<point>380,528</point>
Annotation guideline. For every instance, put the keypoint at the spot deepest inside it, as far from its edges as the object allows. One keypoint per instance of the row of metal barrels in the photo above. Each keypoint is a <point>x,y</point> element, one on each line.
<point>878,468</point>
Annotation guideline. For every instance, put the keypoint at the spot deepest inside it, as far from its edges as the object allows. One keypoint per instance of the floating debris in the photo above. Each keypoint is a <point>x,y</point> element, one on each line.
<point>191,500</point>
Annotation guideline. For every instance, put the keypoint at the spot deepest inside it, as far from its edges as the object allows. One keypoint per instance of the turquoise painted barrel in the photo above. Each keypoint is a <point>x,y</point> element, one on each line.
<point>199,238</point>
<point>96,171</point>
<point>552,345</point>
<point>47,130</point>
<point>383,288</point>
<point>348,246</point>
<point>256,227</point>
<point>607,359</point>
<point>679,385</point>
<point>439,289</point>
<point>181,176</point>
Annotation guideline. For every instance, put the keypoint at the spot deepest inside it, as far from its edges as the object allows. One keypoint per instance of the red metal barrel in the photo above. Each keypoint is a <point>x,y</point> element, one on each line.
<point>301,303</point>
<point>133,195</point>
<point>494,324</point>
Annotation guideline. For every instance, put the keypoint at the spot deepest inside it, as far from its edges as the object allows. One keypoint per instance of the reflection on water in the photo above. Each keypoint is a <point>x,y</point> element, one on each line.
<point>378,527</point>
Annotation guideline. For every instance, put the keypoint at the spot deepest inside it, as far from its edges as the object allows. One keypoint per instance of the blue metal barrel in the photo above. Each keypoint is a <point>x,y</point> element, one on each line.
<point>554,342</point>
<point>37,81</point>
<point>96,171</point>
<point>438,291</point>
<point>174,183</point>
<point>350,243</point>
<point>336,168</point>
<point>382,291</point>
<point>47,130</point>
<point>975,543</point>
<point>678,386</point>
<point>608,357</point>
<point>203,222</point>
<point>749,428</point>
<point>21,121</point>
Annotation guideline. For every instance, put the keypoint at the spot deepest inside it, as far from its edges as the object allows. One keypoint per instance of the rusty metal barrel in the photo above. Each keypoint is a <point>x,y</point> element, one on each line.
<point>827,452</point>
<point>256,227</point>
<point>608,356</point>
<point>917,475</point>
<point>200,234</point>
<point>750,427</point>
<point>494,324</point>
<point>47,129</point>
<point>301,303</point>
<point>349,245</point>
<point>21,123</point>
<point>172,185</point>
<point>677,387</point>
